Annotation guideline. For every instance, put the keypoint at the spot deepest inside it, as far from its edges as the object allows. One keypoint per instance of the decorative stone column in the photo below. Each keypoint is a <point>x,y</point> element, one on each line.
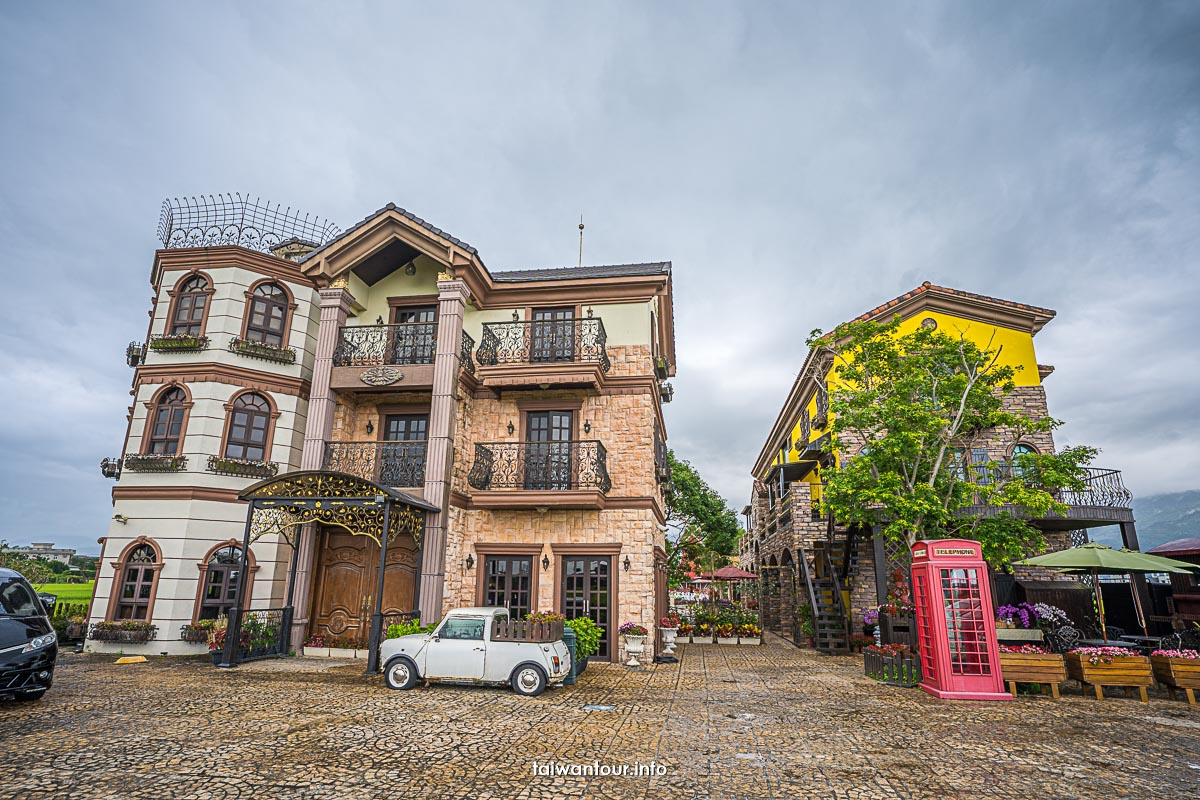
<point>335,306</point>
<point>452,300</point>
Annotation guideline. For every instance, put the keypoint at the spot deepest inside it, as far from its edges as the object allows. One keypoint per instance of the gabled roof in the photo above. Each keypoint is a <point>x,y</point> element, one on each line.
<point>1041,315</point>
<point>404,213</point>
<point>582,273</point>
<point>1179,547</point>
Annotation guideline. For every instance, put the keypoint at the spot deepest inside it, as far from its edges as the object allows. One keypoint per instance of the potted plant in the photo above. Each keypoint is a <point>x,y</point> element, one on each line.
<point>315,646</point>
<point>1030,663</point>
<point>635,642</point>
<point>702,634</point>
<point>669,625</point>
<point>1021,615</point>
<point>216,641</point>
<point>77,627</point>
<point>1109,666</point>
<point>196,632</point>
<point>1178,669</point>
<point>685,633</point>
<point>725,634</point>
<point>749,633</point>
<point>870,621</point>
<point>860,641</point>
<point>587,641</point>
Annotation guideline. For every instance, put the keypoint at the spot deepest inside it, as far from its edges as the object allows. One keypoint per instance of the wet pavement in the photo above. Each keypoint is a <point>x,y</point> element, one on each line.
<point>726,722</point>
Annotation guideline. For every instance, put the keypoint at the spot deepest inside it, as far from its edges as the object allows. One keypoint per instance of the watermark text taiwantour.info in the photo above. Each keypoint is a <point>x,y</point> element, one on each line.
<point>596,769</point>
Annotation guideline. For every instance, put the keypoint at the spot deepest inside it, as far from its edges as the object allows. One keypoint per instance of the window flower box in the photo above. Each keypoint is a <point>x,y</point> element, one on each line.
<point>1179,670</point>
<point>262,350</point>
<point>1109,666</point>
<point>1029,664</point>
<point>127,631</point>
<point>244,467</point>
<point>154,462</point>
<point>662,367</point>
<point>197,632</point>
<point>178,343</point>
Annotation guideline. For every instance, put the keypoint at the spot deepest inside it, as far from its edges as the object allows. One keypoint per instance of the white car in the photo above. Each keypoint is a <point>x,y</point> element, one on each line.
<point>461,650</point>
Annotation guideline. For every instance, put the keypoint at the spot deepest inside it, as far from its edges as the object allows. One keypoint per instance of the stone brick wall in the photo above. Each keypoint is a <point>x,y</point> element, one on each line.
<point>630,359</point>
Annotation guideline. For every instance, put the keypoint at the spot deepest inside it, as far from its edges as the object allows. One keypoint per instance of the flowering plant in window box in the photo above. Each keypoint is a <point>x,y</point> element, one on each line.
<point>177,342</point>
<point>248,467</point>
<point>1109,666</point>
<point>1031,663</point>
<point>155,462</point>
<point>197,632</point>
<point>1177,669</point>
<point>125,630</point>
<point>263,350</point>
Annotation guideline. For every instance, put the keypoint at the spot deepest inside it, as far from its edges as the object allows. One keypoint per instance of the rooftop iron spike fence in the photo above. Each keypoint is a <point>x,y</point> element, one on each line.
<point>231,219</point>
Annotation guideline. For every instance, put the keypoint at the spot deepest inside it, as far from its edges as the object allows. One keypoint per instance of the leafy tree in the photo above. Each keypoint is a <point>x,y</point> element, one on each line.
<point>36,570</point>
<point>704,529</point>
<point>906,411</point>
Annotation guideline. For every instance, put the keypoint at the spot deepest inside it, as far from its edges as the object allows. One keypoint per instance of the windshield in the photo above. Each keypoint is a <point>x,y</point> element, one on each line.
<point>462,628</point>
<point>17,601</point>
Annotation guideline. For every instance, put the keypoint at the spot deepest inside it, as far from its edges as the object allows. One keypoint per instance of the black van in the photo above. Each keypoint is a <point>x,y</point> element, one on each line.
<point>28,645</point>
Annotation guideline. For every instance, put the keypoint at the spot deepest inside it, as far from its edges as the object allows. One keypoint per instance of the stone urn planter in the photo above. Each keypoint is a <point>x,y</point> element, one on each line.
<point>1045,669</point>
<point>1176,674</point>
<point>634,647</point>
<point>1127,671</point>
<point>669,637</point>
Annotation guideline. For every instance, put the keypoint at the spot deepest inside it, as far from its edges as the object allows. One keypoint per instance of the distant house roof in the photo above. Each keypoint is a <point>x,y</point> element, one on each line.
<point>582,273</point>
<point>1180,547</point>
<point>402,212</point>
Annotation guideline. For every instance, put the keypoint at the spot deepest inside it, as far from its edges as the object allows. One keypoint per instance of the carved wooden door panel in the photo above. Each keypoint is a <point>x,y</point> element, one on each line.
<point>346,575</point>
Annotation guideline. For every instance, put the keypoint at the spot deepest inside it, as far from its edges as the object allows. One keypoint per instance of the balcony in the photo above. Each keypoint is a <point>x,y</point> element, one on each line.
<point>1103,500</point>
<point>372,355</point>
<point>540,475</point>
<point>395,464</point>
<point>545,354</point>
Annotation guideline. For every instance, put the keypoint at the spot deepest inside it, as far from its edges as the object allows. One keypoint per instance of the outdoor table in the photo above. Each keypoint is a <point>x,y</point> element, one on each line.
<point>1109,643</point>
<point>1144,641</point>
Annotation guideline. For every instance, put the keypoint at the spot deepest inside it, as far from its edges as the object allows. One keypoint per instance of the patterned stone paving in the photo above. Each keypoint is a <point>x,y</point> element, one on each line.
<point>768,722</point>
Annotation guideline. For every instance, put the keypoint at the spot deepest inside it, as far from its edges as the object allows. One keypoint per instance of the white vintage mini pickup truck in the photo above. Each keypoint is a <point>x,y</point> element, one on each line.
<point>465,649</point>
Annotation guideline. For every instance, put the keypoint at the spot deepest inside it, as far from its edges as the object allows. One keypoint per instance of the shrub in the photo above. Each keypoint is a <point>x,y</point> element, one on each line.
<point>587,636</point>
<point>544,617</point>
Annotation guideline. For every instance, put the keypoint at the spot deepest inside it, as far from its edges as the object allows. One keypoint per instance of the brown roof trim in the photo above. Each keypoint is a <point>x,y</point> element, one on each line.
<point>176,493</point>
<point>197,258</point>
<point>242,377</point>
<point>461,500</point>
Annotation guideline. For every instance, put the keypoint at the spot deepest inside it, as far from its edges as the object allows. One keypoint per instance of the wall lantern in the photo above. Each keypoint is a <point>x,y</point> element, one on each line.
<point>511,429</point>
<point>587,427</point>
<point>516,316</point>
<point>370,427</point>
<point>379,320</point>
<point>411,269</point>
<point>470,561</point>
<point>627,563</point>
<point>545,561</point>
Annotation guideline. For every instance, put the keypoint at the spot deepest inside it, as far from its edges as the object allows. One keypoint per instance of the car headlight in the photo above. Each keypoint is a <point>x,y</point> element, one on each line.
<point>40,642</point>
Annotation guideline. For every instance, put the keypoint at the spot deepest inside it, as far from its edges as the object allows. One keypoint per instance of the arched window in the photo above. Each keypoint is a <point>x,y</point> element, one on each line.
<point>136,577</point>
<point>220,583</point>
<point>190,301</point>
<point>166,423</point>
<point>249,423</point>
<point>268,315</point>
<point>1021,450</point>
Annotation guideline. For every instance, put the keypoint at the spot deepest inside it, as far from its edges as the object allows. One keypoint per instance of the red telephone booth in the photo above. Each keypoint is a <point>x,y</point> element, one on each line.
<point>956,627</point>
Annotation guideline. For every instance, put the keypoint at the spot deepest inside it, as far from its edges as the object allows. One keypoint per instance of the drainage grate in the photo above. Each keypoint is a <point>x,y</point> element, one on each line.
<point>594,707</point>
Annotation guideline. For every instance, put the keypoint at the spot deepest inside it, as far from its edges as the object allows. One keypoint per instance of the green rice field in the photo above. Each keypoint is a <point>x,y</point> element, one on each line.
<point>68,592</point>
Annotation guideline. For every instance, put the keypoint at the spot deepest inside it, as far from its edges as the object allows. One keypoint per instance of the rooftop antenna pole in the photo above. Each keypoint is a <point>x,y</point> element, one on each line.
<point>581,240</point>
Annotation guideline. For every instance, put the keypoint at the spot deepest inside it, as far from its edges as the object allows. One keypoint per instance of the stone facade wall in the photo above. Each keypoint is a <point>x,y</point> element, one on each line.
<point>630,360</point>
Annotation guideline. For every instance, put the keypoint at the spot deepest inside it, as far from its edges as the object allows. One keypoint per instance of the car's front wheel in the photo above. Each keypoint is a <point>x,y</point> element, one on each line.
<point>529,680</point>
<point>399,674</point>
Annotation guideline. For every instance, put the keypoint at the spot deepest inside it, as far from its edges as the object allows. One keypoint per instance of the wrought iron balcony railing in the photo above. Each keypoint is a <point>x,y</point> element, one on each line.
<point>541,466</point>
<point>371,345</point>
<point>399,464</point>
<point>465,359</point>
<point>1102,487</point>
<point>544,342</point>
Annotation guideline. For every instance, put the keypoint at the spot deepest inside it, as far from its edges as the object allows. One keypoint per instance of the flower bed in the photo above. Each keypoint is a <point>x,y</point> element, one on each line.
<point>1029,663</point>
<point>1177,669</point>
<point>892,664</point>
<point>128,631</point>
<point>197,632</point>
<point>1109,666</point>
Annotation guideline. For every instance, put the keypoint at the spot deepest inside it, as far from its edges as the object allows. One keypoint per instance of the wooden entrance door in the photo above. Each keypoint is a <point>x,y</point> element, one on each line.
<point>552,334</point>
<point>587,592</point>
<point>548,451</point>
<point>507,582</point>
<point>346,575</point>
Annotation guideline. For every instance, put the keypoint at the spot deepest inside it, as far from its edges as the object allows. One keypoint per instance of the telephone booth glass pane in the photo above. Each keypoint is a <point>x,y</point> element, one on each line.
<point>924,628</point>
<point>965,623</point>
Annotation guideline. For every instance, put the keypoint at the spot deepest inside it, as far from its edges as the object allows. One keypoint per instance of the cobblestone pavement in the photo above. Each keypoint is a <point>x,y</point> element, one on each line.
<point>727,722</point>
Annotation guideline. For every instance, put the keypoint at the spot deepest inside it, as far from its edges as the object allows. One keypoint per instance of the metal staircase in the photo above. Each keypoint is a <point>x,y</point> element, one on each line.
<point>830,623</point>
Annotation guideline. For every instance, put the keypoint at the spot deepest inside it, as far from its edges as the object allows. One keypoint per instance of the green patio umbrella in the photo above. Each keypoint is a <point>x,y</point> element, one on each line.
<point>1100,559</point>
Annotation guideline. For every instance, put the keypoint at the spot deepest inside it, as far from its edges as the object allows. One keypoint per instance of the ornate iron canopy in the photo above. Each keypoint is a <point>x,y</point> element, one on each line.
<point>334,498</point>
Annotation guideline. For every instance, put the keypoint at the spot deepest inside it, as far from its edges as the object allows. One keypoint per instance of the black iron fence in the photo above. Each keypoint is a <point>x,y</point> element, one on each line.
<point>371,345</point>
<point>465,359</point>
<point>543,342</point>
<point>264,633</point>
<point>541,466</point>
<point>400,464</point>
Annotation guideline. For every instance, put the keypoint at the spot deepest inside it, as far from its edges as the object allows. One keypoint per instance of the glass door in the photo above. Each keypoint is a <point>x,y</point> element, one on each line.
<point>414,335</point>
<point>403,463</point>
<point>552,334</point>
<point>587,592</point>
<point>548,450</point>
<point>506,583</point>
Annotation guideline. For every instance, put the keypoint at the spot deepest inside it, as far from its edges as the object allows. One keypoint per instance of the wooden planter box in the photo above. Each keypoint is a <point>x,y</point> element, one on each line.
<point>522,630</point>
<point>1046,669</point>
<point>1178,673</point>
<point>1128,672</point>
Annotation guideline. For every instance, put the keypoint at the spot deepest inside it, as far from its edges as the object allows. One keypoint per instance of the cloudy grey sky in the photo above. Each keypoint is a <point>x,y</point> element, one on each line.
<point>798,162</point>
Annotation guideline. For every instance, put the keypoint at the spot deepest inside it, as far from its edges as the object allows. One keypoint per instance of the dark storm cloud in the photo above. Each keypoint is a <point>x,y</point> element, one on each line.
<point>799,164</point>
